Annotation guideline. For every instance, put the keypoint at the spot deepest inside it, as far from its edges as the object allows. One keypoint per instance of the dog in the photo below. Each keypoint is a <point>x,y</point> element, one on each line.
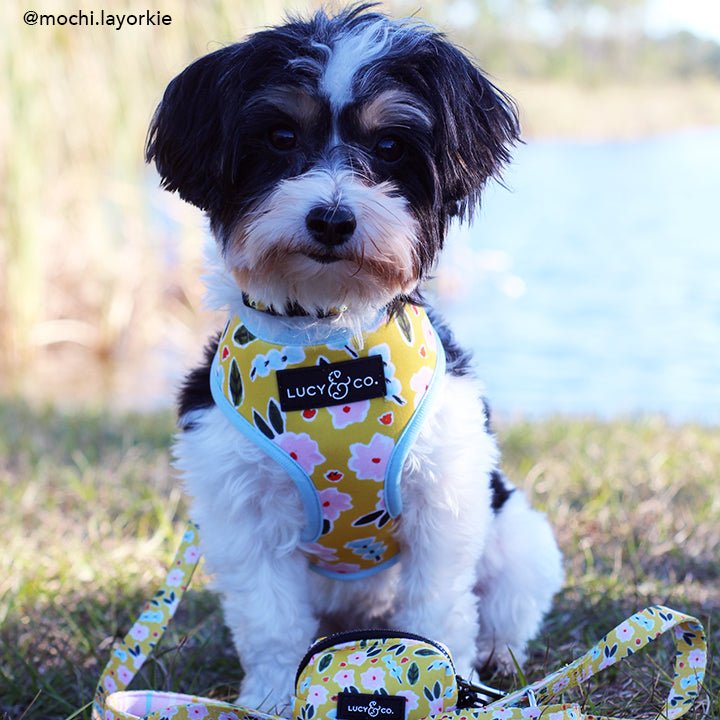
<point>330,155</point>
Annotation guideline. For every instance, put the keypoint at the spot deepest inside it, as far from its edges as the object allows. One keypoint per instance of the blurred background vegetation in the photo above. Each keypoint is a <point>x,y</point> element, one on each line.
<point>100,294</point>
<point>99,270</point>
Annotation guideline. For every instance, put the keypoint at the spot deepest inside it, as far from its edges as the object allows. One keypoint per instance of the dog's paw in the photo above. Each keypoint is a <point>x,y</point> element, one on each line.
<point>259,696</point>
<point>499,658</point>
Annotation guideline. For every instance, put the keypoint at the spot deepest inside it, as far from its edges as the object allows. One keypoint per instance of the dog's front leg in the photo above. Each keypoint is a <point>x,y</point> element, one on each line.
<point>267,609</point>
<point>250,519</point>
<point>444,523</point>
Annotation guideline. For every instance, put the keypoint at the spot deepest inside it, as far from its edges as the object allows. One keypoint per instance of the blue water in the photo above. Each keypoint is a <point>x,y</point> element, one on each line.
<point>591,283</point>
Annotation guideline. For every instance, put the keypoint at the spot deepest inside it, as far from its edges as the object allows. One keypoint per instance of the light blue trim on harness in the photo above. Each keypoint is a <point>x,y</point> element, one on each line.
<point>308,494</point>
<point>304,337</point>
<point>393,497</point>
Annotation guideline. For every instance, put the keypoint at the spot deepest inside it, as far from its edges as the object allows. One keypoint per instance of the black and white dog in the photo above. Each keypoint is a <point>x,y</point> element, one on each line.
<point>330,155</point>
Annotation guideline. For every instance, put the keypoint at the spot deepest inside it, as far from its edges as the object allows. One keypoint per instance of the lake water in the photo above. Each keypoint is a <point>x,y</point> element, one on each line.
<point>591,284</point>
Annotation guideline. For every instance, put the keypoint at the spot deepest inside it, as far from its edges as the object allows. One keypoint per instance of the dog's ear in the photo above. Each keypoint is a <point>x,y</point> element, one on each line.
<point>186,133</point>
<point>478,126</point>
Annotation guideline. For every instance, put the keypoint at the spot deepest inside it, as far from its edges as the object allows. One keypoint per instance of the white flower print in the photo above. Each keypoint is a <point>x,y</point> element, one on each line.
<point>316,695</point>
<point>357,658</point>
<point>625,631</point>
<point>175,577</point>
<point>344,678</point>
<point>373,678</point>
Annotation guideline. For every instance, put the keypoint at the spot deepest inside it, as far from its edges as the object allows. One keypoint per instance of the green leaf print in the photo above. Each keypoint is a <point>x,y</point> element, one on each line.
<point>243,336</point>
<point>413,673</point>
<point>235,384</point>
<point>325,661</point>
<point>374,649</point>
<point>275,417</point>
<point>262,426</point>
<point>404,324</point>
<point>425,652</point>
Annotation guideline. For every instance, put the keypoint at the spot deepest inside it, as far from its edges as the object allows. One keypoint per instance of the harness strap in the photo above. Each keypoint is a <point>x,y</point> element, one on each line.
<point>112,702</point>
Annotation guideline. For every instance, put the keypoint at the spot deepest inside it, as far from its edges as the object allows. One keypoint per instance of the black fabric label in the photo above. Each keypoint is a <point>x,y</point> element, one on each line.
<point>331,383</point>
<point>356,706</point>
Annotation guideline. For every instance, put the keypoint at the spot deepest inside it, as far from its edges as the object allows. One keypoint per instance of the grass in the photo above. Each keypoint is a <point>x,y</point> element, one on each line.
<point>92,516</point>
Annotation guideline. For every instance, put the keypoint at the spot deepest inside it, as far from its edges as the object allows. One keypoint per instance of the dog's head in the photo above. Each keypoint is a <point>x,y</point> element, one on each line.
<point>330,154</point>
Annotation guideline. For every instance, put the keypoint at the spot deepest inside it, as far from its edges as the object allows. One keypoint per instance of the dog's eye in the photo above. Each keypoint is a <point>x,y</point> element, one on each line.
<point>282,137</point>
<point>389,148</point>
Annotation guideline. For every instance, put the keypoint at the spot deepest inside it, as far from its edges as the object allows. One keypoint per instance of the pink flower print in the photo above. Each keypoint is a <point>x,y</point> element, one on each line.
<point>321,552</point>
<point>697,658</point>
<point>532,712</point>
<point>369,461</point>
<point>344,678</point>
<point>175,577</point>
<point>110,684</point>
<point>139,660</point>
<point>436,706</point>
<point>333,502</point>
<point>344,415</point>
<point>341,568</point>
<point>301,448</point>
<point>109,715</point>
<point>373,678</point>
<point>139,632</point>
<point>192,554</point>
<point>357,658</point>
<point>625,631</point>
<point>411,699</point>
<point>420,382</point>
<point>316,695</point>
<point>197,712</point>
<point>125,676</point>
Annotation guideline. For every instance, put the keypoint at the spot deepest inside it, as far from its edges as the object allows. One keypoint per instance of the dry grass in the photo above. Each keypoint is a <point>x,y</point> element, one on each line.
<point>95,516</point>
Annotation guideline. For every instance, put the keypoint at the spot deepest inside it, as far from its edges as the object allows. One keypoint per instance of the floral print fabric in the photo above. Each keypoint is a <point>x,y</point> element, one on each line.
<point>417,671</point>
<point>410,668</point>
<point>341,455</point>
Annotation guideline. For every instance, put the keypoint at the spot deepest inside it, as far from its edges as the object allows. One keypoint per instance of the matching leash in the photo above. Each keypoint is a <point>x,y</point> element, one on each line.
<point>113,702</point>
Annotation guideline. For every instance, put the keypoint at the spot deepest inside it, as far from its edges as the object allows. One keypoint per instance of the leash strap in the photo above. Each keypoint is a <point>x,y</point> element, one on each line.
<point>127,659</point>
<point>626,639</point>
<point>113,702</point>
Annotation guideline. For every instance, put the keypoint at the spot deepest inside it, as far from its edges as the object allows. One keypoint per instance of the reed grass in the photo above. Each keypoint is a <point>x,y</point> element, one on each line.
<point>98,267</point>
<point>92,253</point>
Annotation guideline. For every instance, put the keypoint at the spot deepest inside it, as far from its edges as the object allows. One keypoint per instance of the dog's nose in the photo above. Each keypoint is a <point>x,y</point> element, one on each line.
<point>331,225</point>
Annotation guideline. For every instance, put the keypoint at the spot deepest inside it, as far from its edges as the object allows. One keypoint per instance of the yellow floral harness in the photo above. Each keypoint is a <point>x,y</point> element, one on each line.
<point>339,414</point>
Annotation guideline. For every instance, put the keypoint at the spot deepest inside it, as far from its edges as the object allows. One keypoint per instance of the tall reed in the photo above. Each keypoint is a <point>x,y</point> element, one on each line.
<point>91,252</point>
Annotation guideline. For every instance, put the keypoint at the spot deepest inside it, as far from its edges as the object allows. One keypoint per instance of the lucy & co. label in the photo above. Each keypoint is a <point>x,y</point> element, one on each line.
<point>331,383</point>
<point>357,706</point>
